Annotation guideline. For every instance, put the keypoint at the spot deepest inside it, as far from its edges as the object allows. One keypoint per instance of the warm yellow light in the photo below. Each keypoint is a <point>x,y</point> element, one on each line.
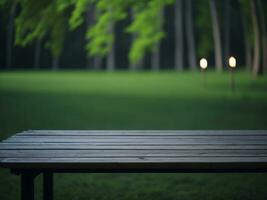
<point>203,63</point>
<point>232,62</point>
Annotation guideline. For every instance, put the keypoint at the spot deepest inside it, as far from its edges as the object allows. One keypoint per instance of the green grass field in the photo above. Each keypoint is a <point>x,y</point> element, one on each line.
<point>121,100</point>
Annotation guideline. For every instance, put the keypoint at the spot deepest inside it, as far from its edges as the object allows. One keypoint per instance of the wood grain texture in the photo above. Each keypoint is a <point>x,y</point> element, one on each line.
<point>132,151</point>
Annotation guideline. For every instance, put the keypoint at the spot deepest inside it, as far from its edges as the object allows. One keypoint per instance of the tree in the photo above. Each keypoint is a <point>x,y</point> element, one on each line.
<point>11,6</point>
<point>89,22</point>
<point>155,57</point>
<point>155,54</point>
<point>257,46</point>
<point>227,30</point>
<point>100,36</point>
<point>216,35</point>
<point>263,34</point>
<point>145,26</point>
<point>248,56</point>
<point>247,30</point>
<point>37,53</point>
<point>179,35</point>
<point>190,32</point>
<point>91,15</point>
<point>205,45</point>
<point>135,65</point>
<point>58,32</point>
<point>111,54</point>
<point>38,19</point>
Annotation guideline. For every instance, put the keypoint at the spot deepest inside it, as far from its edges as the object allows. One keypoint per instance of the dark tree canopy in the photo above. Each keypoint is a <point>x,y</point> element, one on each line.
<point>52,21</point>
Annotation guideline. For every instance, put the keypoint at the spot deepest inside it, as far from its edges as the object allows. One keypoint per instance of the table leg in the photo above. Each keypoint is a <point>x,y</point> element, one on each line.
<point>48,185</point>
<point>27,186</point>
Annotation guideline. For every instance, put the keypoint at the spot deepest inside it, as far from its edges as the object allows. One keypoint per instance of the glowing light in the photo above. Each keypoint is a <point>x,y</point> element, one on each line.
<point>203,63</point>
<point>232,62</point>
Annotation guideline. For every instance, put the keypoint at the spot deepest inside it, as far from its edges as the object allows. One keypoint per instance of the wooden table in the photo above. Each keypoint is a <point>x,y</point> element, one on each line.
<point>34,152</point>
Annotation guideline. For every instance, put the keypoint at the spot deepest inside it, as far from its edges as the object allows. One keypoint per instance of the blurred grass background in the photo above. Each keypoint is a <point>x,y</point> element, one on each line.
<point>122,100</point>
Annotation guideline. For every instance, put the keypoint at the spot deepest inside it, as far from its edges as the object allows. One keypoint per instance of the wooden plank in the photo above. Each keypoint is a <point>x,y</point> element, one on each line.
<point>82,146</point>
<point>158,137</point>
<point>129,153</point>
<point>150,143</point>
<point>124,156</point>
<point>146,143</point>
<point>143,132</point>
<point>135,150</point>
<point>139,156</point>
<point>132,136</point>
<point>127,138</point>
<point>162,160</point>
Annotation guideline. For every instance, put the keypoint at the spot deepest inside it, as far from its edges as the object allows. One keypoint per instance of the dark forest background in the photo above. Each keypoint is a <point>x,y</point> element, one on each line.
<point>74,56</point>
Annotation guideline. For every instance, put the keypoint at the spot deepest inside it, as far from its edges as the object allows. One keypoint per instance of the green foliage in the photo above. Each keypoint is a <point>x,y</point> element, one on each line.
<point>101,36</point>
<point>2,2</point>
<point>203,21</point>
<point>29,23</point>
<point>245,5</point>
<point>147,26</point>
<point>77,18</point>
<point>63,5</point>
<point>7,3</point>
<point>38,19</point>
<point>57,35</point>
<point>51,19</point>
<point>101,39</point>
<point>246,12</point>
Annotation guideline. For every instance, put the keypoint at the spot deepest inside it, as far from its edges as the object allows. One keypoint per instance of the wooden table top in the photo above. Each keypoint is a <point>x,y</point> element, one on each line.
<point>136,151</point>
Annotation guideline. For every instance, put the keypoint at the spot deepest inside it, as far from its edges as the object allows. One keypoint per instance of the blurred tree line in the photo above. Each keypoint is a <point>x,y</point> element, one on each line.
<point>132,34</point>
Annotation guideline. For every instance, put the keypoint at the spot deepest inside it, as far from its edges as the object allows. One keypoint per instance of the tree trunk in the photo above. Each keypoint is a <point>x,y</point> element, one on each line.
<point>227,30</point>
<point>263,35</point>
<point>247,45</point>
<point>256,29</point>
<point>155,56</point>
<point>111,59</point>
<point>190,35</point>
<point>95,60</point>
<point>89,22</point>
<point>37,53</point>
<point>216,36</point>
<point>55,63</point>
<point>111,55</point>
<point>97,63</point>
<point>179,35</point>
<point>133,66</point>
<point>138,65</point>
<point>10,33</point>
